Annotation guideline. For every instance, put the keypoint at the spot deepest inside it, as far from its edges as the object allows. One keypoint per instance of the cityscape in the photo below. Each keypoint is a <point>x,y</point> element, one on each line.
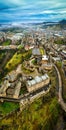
<point>33,65</point>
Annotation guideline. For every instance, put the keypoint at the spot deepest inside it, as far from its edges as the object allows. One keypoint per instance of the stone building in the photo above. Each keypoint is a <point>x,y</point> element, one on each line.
<point>37,83</point>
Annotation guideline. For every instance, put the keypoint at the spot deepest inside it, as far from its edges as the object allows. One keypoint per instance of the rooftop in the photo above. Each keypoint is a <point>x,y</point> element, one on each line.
<point>37,79</point>
<point>36,51</point>
<point>44,57</point>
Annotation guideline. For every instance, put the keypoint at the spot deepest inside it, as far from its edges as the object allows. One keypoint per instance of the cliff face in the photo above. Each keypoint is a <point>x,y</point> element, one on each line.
<point>43,114</point>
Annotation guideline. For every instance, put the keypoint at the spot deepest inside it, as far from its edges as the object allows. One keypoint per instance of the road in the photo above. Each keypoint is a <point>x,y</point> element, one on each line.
<point>61,101</point>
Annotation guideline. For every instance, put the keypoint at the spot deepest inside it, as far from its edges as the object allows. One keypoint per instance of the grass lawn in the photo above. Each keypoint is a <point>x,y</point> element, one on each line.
<point>59,63</point>
<point>60,41</point>
<point>17,58</point>
<point>2,54</point>
<point>34,62</point>
<point>7,42</point>
<point>42,51</point>
<point>7,107</point>
<point>23,90</point>
<point>20,47</point>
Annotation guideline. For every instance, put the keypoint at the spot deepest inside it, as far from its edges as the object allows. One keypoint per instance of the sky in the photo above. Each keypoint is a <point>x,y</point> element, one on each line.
<point>32,11</point>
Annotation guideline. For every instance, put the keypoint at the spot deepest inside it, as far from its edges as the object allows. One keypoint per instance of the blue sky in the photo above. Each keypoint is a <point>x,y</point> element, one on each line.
<point>27,11</point>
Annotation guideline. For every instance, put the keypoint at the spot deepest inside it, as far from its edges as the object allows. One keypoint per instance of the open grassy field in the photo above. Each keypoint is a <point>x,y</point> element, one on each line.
<point>7,42</point>
<point>7,107</point>
<point>17,58</point>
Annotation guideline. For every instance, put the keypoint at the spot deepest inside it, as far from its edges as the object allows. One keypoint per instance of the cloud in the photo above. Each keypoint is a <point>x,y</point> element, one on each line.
<point>34,10</point>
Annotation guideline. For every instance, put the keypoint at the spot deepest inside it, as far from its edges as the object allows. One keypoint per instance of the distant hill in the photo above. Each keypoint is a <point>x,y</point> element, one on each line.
<point>62,24</point>
<point>54,25</point>
<point>62,21</point>
<point>44,25</point>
